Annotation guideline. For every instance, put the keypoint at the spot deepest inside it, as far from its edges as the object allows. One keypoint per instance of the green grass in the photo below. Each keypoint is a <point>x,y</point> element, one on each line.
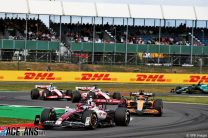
<point>7,121</point>
<point>41,66</point>
<point>185,99</point>
<point>158,88</point>
<point>15,86</point>
<point>18,115</point>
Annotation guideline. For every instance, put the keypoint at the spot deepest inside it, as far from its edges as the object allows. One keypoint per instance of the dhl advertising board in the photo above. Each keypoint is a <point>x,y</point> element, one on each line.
<point>157,78</point>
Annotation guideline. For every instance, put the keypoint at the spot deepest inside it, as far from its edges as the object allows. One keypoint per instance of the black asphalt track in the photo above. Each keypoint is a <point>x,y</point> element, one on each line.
<point>178,121</point>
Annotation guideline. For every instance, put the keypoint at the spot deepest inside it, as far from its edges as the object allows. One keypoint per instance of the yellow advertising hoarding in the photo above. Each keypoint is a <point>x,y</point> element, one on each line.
<point>113,77</point>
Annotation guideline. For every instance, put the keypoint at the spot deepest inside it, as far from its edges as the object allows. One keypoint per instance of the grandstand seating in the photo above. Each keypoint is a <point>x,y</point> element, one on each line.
<point>16,29</point>
<point>136,35</point>
<point>37,30</point>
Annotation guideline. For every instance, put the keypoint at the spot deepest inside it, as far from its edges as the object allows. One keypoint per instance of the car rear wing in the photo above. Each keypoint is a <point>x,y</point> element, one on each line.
<point>42,86</point>
<point>142,93</point>
<point>84,88</point>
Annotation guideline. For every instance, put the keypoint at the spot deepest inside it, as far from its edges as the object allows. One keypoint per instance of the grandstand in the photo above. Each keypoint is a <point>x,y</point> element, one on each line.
<point>104,42</point>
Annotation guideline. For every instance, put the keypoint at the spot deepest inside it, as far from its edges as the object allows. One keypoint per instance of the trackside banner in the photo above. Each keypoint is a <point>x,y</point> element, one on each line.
<point>41,76</point>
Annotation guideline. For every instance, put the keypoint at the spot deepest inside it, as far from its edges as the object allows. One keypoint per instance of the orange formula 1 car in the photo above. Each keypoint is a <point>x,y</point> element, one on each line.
<point>141,104</point>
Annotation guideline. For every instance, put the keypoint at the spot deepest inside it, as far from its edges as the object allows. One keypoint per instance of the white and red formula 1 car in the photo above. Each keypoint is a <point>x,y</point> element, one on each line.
<point>47,92</point>
<point>88,115</point>
<point>99,96</point>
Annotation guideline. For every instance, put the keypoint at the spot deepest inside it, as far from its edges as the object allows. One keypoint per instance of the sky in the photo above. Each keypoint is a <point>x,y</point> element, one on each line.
<point>119,21</point>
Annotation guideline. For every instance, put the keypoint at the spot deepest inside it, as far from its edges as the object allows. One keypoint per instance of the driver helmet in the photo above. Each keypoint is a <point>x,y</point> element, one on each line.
<point>90,102</point>
<point>200,83</point>
<point>141,92</point>
<point>141,95</point>
<point>52,87</point>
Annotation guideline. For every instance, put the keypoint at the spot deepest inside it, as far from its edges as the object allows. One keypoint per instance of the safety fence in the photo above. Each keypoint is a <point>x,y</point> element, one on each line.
<point>28,44</point>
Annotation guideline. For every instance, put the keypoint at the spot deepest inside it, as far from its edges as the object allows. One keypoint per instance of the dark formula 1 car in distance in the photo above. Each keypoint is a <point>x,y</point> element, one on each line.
<point>83,93</point>
<point>192,89</point>
<point>142,104</point>
<point>88,115</point>
<point>47,92</point>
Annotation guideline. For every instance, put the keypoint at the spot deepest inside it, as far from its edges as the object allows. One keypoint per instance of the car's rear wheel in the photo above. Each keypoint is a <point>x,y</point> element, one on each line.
<point>122,116</point>
<point>117,95</point>
<point>76,96</point>
<point>178,88</point>
<point>158,105</point>
<point>90,119</point>
<point>190,90</point>
<point>47,114</point>
<point>69,92</point>
<point>34,94</point>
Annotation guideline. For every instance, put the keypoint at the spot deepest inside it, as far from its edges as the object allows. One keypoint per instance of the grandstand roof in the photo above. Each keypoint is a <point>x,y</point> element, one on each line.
<point>112,10</point>
<point>201,13</point>
<point>13,6</point>
<point>79,9</point>
<point>45,7</point>
<point>104,9</point>
<point>146,11</point>
<point>178,12</point>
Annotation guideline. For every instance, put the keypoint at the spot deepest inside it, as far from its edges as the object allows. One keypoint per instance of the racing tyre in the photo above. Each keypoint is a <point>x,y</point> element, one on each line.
<point>68,92</point>
<point>76,97</point>
<point>34,94</point>
<point>46,93</point>
<point>117,95</point>
<point>91,95</point>
<point>177,88</point>
<point>122,116</point>
<point>47,114</point>
<point>124,104</point>
<point>190,90</point>
<point>158,105</point>
<point>90,119</point>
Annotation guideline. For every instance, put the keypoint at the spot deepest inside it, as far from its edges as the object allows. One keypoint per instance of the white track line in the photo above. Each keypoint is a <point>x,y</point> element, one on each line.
<point>195,96</point>
<point>28,106</point>
<point>185,103</point>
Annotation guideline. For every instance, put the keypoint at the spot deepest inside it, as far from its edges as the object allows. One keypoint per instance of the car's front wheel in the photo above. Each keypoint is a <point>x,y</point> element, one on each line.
<point>158,105</point>
<point>90,119</point>
<point>122,116</point>
<point>47,114</point>
<point>34,94</point>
